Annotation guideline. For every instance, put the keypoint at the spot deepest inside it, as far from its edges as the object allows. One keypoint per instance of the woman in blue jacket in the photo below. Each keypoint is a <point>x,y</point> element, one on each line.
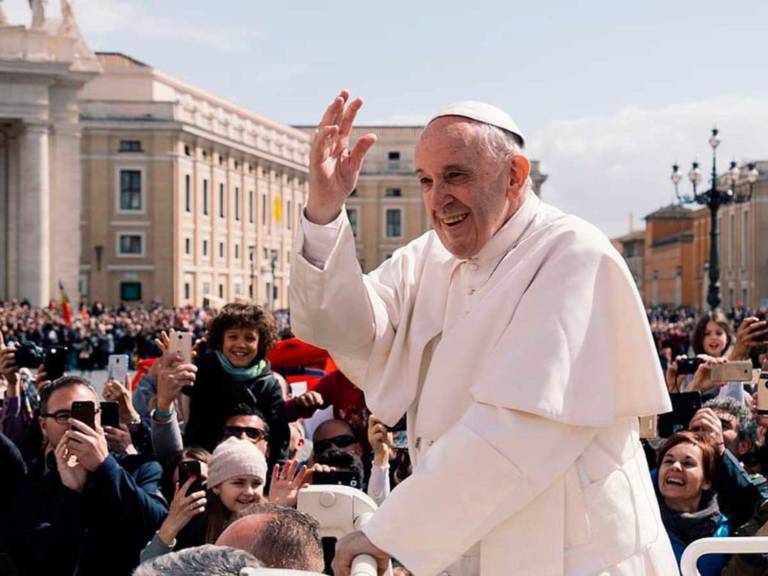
<point>688,503</point>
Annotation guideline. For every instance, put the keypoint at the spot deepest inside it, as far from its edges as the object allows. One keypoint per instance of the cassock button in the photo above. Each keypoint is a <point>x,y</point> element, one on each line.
<point>474,266</point>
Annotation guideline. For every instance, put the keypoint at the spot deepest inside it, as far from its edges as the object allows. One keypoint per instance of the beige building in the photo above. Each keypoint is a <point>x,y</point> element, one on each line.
<point>185,196</point>
<point>386,209</point>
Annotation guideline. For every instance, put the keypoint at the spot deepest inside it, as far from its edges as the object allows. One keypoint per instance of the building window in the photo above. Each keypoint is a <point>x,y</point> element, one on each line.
<point>289,215</point>
<point>130,146</point>
<point>205,196</point>
<point>237,251</point>
<point>187,290</point>
<point>237,203</point>
<point>130,245</point>
<point>130,291</point>
<point>221,200</point>
<point>744,297</point>
<point>238,289</point>
<point>745,239</point>
<point>206,288</point>
<point>263,209</point>
<point>394,223</point>
<point>188,193</point>
<point>250,206</point>
<point>393,160</point>
<point>205,247</point>
<point>221,249</point>
<point>221,290</point>
<point>393,193</point>
<point>187,151</point>
<point>130,190</point>
<point>731,239</point>
<point>221,160</point>
<point>353,221</point>
<point>187,246</point>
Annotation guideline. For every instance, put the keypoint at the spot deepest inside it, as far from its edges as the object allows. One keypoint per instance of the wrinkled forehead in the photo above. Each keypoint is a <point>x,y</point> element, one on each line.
<point>62,398</point>
<point>449,136</point>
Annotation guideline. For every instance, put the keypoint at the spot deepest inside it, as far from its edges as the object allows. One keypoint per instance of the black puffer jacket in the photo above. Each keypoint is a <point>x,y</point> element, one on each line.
<point>214,396</point>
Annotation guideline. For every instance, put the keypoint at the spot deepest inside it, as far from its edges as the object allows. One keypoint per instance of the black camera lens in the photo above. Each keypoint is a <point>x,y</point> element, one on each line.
<point>55,362</point>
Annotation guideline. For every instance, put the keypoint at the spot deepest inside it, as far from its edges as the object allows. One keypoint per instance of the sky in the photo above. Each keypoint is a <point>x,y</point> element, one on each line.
<point>609,93</point>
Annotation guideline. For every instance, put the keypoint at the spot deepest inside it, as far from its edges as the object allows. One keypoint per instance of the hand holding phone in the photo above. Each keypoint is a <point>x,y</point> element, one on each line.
<point>181,344</point>
<point>110,414</point>
<point>191,469</point>
<point>85,412</point>
<point>117,367</point>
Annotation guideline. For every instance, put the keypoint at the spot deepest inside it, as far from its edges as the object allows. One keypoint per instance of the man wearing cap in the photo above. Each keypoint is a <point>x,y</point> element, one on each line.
<point>513,337</point>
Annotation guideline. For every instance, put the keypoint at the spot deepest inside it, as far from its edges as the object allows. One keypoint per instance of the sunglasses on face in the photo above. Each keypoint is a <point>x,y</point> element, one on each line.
<point>238,431</point>
<point>341,441</point>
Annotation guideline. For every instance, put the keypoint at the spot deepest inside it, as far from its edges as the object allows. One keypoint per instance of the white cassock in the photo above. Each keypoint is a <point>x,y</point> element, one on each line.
<point>523,371</point>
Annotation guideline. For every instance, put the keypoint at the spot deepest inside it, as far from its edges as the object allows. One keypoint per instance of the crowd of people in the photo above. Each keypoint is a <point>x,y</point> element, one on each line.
<point>208,453</point>
<point>205,462</point>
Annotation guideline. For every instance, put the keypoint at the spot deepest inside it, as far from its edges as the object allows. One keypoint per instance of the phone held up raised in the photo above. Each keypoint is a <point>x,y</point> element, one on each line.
<point>189,469</point>
<point>85,412</point>
<point>181,342</point>
<point>110,414</point>
<point>117,367</point>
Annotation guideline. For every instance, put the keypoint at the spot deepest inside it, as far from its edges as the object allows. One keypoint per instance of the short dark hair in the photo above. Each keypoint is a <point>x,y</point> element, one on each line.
<point>708,452</point>
<point>244,409</point>
<point>60,383</point>
<point>289,539</point>
<point>241,315</point>
<point>205,560</point>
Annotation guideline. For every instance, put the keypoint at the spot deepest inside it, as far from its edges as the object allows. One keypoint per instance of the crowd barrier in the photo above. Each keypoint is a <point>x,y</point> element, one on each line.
<point>733,545</point>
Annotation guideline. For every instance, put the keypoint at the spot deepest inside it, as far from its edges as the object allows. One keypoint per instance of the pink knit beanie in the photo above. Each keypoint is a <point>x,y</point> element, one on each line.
<point>235,457</point>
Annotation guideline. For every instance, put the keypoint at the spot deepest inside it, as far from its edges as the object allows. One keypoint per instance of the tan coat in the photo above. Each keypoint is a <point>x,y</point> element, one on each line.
<point>522,410</point>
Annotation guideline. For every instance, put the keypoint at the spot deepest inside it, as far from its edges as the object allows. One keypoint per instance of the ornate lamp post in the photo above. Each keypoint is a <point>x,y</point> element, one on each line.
<point>713,199</point>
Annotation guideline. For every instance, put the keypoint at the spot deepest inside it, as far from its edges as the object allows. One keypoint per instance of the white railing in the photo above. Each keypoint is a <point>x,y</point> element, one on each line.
<point>735,545</point>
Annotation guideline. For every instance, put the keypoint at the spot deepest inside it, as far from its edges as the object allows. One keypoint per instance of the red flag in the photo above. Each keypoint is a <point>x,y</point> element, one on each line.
<point>66,311</point>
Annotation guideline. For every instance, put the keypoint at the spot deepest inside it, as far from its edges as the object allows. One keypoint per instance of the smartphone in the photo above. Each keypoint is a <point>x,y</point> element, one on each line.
<point>85,411</point>
<point>337,478</point>
<point>649,426</point>
<point>181,342</point>
<point>189,469</point>
<point>117,367</point>
<point>762,392</point>
<point>684,406</point>
<point>739,371</point>
<point>55,362</point>
<point>298,388</point>
<point>110,414</point>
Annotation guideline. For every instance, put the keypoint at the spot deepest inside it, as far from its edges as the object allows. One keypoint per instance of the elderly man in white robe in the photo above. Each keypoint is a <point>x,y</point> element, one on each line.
<point>513,337</point>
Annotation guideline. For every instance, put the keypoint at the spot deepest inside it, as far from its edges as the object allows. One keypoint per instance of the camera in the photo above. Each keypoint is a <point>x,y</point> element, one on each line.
<point>688,365</point>
<point>53,358</point>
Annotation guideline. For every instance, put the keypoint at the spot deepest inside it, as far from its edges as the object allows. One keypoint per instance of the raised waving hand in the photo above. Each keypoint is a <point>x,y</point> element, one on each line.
<point>333,165</point>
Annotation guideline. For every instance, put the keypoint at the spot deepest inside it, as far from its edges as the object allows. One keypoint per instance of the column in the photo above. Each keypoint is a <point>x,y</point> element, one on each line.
<point>3,214</point>
<point>12,222</point>
<point>66,208</point>
<point>34,215</point>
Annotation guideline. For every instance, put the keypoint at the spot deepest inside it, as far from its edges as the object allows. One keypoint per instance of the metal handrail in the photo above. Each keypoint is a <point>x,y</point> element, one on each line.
<point>731,545</point>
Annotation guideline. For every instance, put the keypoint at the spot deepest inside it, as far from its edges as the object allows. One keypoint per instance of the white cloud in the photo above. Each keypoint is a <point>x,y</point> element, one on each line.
<point>109,17</point>
<point>604,167</point>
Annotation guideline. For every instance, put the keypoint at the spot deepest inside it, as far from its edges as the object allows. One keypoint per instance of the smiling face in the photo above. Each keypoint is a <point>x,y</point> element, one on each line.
<point>236,494</point>
<point>469,192</point>
<point>715,339</point>
<point>240,346</point>
<point>681,477</point>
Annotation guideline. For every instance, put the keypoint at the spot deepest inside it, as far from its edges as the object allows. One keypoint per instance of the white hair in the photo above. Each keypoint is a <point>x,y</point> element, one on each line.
<point>502,144</point>
<point>206,560</point>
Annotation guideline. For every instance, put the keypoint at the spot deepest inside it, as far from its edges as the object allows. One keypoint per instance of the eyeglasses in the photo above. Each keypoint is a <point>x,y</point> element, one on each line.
<point>63,416</point>
<point>238,431</point>
<point>341,441</point>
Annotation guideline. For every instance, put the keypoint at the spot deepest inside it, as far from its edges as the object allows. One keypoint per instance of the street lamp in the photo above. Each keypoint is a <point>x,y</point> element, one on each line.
<point>713,199</point>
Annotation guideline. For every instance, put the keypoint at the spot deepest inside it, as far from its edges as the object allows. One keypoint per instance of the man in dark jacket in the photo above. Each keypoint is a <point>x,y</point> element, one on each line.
<point>81,510</point>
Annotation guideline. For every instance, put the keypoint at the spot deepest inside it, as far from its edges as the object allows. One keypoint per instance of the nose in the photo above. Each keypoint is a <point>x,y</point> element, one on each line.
<point>250,489</point>
<point>676,466</point>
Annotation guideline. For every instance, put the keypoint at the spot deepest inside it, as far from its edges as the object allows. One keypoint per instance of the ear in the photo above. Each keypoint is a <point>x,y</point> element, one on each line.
<point>520,169</point>
<point>216,489</point>
<point>43,426</point>
<point>706,485</point>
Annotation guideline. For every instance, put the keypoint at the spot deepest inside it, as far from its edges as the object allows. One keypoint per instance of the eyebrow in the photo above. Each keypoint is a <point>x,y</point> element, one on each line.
<point>449,167</point>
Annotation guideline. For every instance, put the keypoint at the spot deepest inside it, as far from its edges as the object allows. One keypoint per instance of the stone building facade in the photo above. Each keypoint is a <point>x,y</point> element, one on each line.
<point>186,196</point>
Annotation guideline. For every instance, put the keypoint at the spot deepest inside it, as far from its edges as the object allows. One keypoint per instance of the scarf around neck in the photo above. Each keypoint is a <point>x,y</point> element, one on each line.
<point>240,374</point>
<point>690,526</point>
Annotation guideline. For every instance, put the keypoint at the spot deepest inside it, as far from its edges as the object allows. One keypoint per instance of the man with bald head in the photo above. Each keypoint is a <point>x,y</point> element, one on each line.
<point>513,337</point>
<point>279,537</point>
